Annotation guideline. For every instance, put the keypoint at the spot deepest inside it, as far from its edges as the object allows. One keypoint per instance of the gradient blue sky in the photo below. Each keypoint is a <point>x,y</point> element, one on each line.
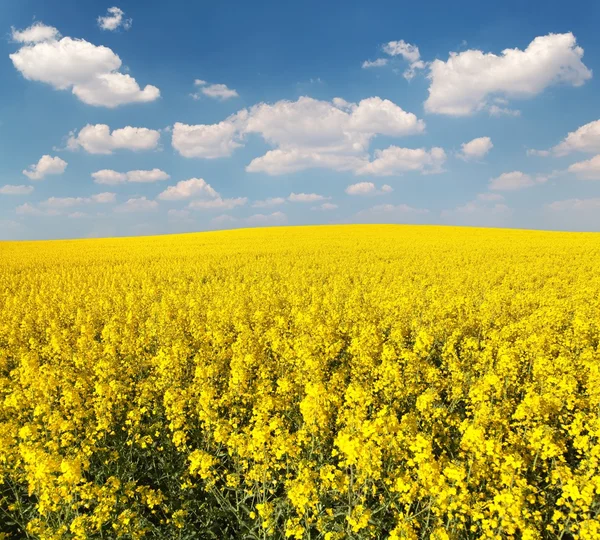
<point>274,54</point>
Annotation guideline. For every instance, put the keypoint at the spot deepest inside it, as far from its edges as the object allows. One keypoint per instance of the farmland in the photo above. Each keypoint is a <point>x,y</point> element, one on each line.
<point>324,382</point>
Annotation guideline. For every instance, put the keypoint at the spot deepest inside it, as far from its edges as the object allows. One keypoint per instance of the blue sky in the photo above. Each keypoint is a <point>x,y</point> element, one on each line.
<point>146,118</point>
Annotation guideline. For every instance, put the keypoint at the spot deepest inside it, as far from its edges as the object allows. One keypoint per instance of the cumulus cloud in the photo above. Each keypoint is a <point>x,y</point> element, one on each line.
<point>515,180</point>
<point>409,52</point>
<point>185,189</point>
<point>262,220</point>
<point>306,197</point>
<point>395,160</point>
<point>390,213</point>
<point>209,141</point>
<point>139,204</point>
<point>307,133</point>
<point>114,19</point>
<point>464,84</point>
<point>588,169</point>
<point>218,203</point>
<point>9,189</point>
<point>380,62</point>
<point>47,165</point>
<point>110,177</point>
<point>475,149</point>
<point>310,133</point>
<point>36,33</point>
<point>325,207</point>
<point>91,72</point>
<point>216,91</point>
<point>368,188</point>
<point>98,139</point>
<point>268,203</point>
<point>584,139</point>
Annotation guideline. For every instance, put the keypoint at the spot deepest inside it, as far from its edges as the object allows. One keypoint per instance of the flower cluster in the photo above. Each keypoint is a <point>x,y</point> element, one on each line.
<point>308,382</point>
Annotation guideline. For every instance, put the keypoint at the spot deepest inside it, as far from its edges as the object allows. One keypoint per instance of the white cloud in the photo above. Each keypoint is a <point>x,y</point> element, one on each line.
<point>45,166</point>
<point>218,203</point>
<point>367,188</point>
<point>388,213</point>
<point>188,188</point>
<point>104,198</point>
<point>584,139</point>
<point>267,203</point>
<point>67,202</point>
<point>306,197</point>
<point>309,133</point>
<point>588,169</point>
<point>515,180</point>
<point>216,91</point>
<point>114,19</point>
<point>89,71</point>
<point>208,140</point>
<point>475,149</point>
<point>97,139</point>
<point>325,207</point>
<point>139,204</point>
<point>77,215</point>
<point>464,83</point>
<point>261,220</point>
<point>495,110</point>
<point>575,205</point>
<point>36,33</point>
<point>395,160</point>
<point>15,190</point>
<point>54,206</point>
<point>380,62</point>
<point>409,52</point>
<point>110,177</point>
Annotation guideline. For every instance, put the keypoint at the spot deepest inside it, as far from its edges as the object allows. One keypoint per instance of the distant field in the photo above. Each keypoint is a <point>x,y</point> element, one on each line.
<point>303,382</point>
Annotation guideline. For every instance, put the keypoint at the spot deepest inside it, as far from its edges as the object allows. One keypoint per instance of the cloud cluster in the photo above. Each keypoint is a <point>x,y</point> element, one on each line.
<point>98,139</point>
<point>310,133</point>
<point>91,72</point>
<point>55,206</point>
<point>111,178</point>
<point>410,53</point>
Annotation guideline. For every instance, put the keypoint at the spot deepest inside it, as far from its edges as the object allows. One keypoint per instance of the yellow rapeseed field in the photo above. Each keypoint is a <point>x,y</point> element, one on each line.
<point>302,382</point>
